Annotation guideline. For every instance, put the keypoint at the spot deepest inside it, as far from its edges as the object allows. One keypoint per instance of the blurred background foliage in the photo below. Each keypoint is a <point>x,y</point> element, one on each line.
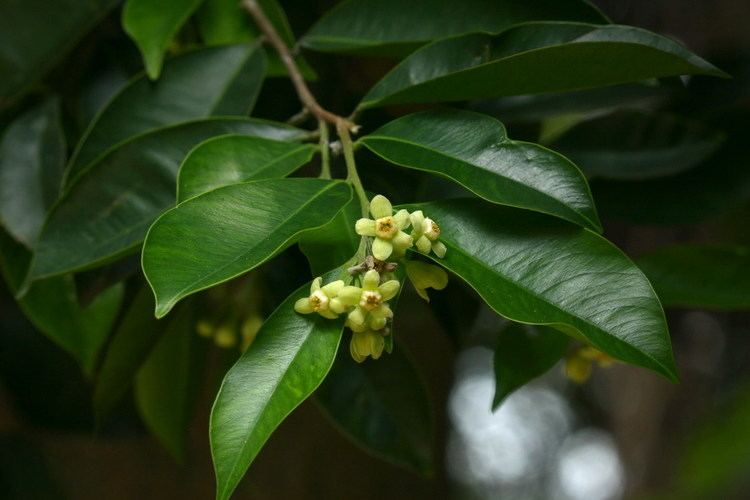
<point>624,434</point>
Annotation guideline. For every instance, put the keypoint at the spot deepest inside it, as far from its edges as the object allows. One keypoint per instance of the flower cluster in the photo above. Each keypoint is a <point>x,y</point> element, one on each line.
<point>388,231</point>
<point>366,308</point>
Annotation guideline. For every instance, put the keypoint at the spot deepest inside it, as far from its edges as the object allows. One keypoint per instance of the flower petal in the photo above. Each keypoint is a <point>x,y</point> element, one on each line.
<point>350,295</point>
<point>353,351</point>
<point>439,248</point>
<point>389,289</point>
<point>377,322</point>
<point>357,317</point>
<point>402,218</point>
<point>381,249</point>
<point>333,288</point>
<point>377,342</point>
<point>402,241</point>
<point>315,286</point>
<point>380,207</point>
<point>423,244</point>
<point>365,227</point>
<point>303,306</point>
<point>417,222</point>
<point>328,314</point>
<point>371,280</point>
<point>337,306</point>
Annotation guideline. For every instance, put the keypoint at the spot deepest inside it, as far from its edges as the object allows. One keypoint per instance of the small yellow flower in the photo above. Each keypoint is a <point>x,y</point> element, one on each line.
<point>370,308</point>
<point>425,233</point>
<point>580,364</point>
<point>225,336</point>
<point>366,343</point>
<point>423,276</point>
<point>249,330</point>
<point>205,328</point>
<point>322,300</point>
<point>386,229</point>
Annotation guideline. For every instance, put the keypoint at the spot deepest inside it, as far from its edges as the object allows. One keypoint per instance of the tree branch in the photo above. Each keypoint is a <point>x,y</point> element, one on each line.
<point>303,92</point>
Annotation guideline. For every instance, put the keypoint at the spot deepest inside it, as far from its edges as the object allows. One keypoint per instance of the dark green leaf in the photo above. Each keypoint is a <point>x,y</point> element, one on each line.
<point>32,157</point>
<point>522,354</point>
<point>329,246</point>
<point>713,277</point>
<point>531,59</point>
<point>52,306</point>
<point>154,25</point>
<point>386,27</point>
<point>534,269</point>
<point>198,84</point>
<point>107,211</point>
<point>382,405</point>
<point>635,145</point>
<point>31,47</point>
<point>226,232</point>
<point>230,159</point>
<point>133,340</point>
<point>474,151</point>
<point>165,384</point>
<point>287,361</point>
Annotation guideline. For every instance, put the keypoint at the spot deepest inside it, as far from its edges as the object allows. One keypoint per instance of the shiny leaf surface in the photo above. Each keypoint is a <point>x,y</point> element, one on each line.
<point>523,353</point>
<point>382,405</point>
<point>287,361</point>
<point>198,84</point>
<point>533,269</point>
<point>475,151</point>
<point>636,145</point>
<point>385,27</point>
<point>32,158</point>
<point>226,232</point>
<point>230,159</point>
<point>533,58</point>
<point>703,276</point>
<point>153,26</point>
<point>108,210</point>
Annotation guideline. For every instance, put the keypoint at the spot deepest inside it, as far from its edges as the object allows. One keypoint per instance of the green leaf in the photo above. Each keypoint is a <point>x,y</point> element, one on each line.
<point>226,232</point>
<point>52,307</point>
<point>330,246</point>
<point>382,405</point>
<point>230,159</point>
<point>287,361</point>
<point>533,269</point>
<point>105,214</point>
<point>522,354</point>
<point>385,27</point>
<point>165,384</point>
<point>198,84</point>
<point>32,158</point>
<point>154,25</point>
<point>474,151</point>
<point>133,340</point>
<point>695,275</point>
<point>633,145</point>
<point>531,59</point>
<point>31,48</point>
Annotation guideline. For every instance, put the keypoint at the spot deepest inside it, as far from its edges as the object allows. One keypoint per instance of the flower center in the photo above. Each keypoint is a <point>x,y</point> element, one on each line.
<point>370,299</point>
<point>432,230</point>
<point>318,301</point>
<point>385,227</point>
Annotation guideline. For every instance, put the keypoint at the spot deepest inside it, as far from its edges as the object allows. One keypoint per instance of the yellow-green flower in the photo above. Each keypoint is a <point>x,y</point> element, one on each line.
<point>425,233</point>
<point>366,343</point>
<point>386,228</point>
<point>322,300</point>
<point>423,276</point>
<point>370,308</point>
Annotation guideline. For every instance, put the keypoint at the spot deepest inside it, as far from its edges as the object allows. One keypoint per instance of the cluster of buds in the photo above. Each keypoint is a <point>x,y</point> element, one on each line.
<point>366,308</point>
<point>389,231</point>
<point>580,363</point>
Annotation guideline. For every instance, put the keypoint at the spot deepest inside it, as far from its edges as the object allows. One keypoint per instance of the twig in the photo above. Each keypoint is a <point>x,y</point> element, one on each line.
<point>352,176</point>
<point>325,151</point>
<point>304,94</point>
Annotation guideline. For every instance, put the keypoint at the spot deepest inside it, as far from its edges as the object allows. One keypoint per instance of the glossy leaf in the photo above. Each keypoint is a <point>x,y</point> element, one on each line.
<point>230,159</point>
<point>693,275</point>
<point>108,210</point>
<point>382,405</point>
<point>287,361</point>
<point>523,353</point>
<point>636,145</point>
<point>32,158</point>
<point>31,48</point>
<point>131,344</point>
<point>154,25</point>
<point>475,151</point>
<point>226,232</point>
<point>332,245</point>
<point>385,27</point>
<point>198,84</point>
<point>533,269</point>
<point>533,58</point>
<point>165,384</point>
<point>52,307</point>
